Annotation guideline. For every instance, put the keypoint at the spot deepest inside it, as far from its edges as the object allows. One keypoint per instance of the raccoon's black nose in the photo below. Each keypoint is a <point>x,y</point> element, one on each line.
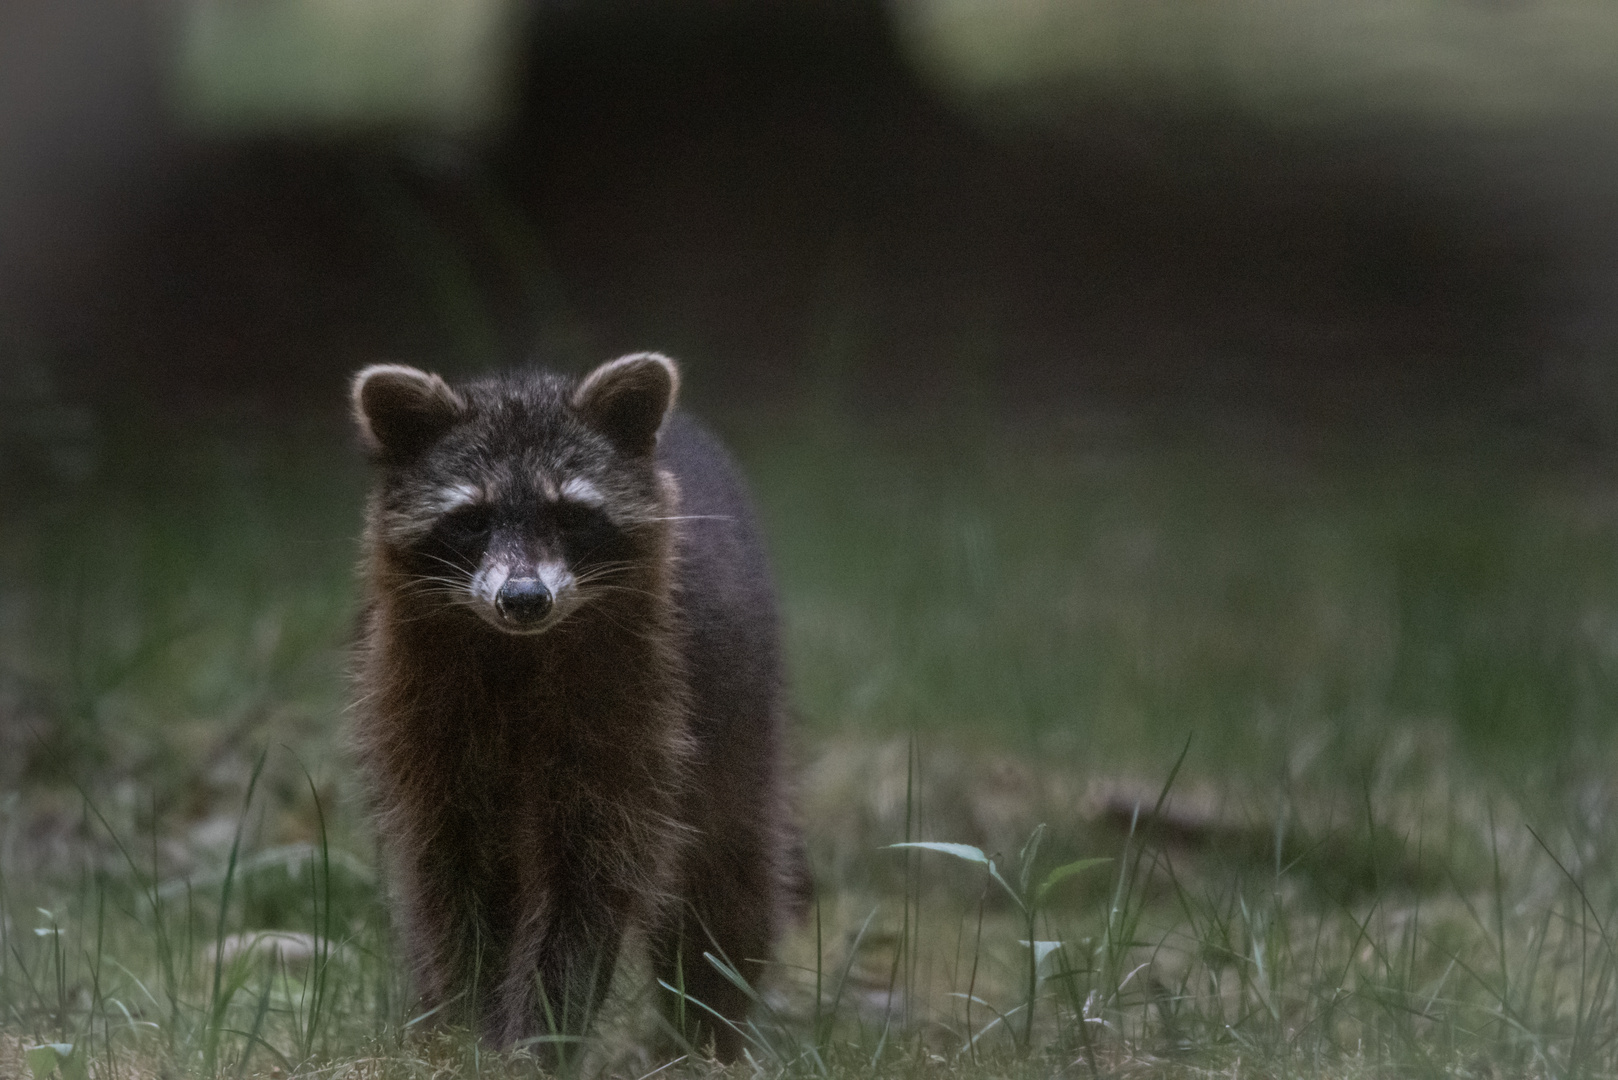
<point>523,600</point>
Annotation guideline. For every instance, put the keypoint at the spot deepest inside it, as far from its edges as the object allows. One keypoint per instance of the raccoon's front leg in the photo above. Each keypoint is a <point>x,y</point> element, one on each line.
<point>433,937</point>
<point>454,947</point>
<point>559,972</point>
<point>729,900</point>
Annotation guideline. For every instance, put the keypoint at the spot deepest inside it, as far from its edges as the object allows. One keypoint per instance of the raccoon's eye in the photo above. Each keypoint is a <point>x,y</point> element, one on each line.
<point>465,527</point>
<point>575,515</point>
<point>585,529</point>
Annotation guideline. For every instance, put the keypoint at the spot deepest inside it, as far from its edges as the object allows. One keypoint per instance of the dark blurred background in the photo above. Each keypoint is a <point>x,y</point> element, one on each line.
<point>1318,214</point>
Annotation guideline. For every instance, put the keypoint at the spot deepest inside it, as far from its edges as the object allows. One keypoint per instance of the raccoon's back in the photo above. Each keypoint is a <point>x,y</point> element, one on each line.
<point>725,602</point>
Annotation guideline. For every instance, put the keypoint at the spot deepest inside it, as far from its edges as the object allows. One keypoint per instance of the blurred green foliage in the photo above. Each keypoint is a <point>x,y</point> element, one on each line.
<point>1436,61</point>
<point>312,63</point>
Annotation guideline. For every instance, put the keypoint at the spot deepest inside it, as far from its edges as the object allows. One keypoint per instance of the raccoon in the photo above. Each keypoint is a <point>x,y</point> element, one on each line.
<point>569,710</point>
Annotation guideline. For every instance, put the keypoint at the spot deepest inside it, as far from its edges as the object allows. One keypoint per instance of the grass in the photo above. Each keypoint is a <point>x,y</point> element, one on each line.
<point>1337,720</point>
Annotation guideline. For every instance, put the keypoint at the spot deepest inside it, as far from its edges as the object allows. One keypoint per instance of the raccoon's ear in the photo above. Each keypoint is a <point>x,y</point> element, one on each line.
<point>627,399</point>
<point>402,410</point>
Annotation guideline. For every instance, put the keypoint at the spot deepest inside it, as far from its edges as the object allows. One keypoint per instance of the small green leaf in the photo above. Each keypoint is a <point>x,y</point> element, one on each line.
<point>969,854</point>
<point>41,1061</point>
<point>960,851</point>
<point>1016,897</point>
<point>1062,873</point>
<point>1025,859</point>
<point>56,1058</point>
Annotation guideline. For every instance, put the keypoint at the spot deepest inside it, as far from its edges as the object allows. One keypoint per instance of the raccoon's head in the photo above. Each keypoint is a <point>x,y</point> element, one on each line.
<point>520,498</point>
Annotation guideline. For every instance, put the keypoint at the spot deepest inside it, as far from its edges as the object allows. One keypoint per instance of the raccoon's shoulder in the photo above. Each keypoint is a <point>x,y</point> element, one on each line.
<point>707,474</point>
<point>719,529</point>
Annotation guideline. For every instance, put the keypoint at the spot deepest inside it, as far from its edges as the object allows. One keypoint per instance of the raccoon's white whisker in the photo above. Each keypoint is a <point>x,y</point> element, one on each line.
<point>592,576</point>
<point>465,567</point>
<point>443,586</point>
<point>606,567</point>
<point>445,600</point>
<point>437,580</point>
<point>605,581</point>
<point>460,577</point>
<point>437,588</point>
<point>603,570</point>
<point>600,592</point>
<point>678,517</point>
<point>455,587</point>
<point>630,589</point>
<point>434,599</point>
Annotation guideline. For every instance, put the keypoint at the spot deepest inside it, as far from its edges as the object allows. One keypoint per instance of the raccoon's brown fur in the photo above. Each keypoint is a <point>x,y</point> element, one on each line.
<point>570,710</point>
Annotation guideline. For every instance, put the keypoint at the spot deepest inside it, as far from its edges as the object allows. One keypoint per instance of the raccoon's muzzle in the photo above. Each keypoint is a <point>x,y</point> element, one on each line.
<point>523,601</point>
